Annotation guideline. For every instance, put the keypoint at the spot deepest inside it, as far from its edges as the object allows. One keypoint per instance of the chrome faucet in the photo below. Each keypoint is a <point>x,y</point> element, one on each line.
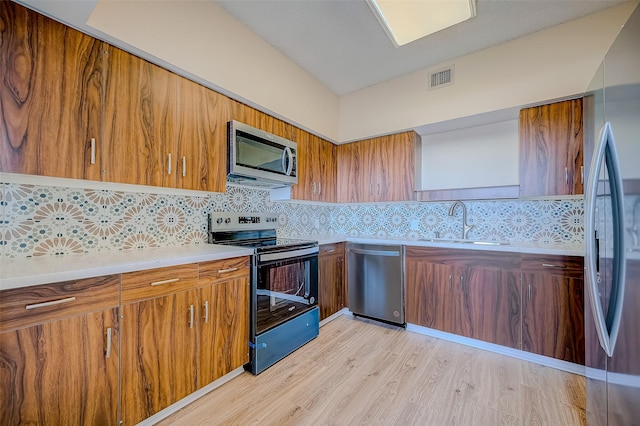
<point>465,227</point>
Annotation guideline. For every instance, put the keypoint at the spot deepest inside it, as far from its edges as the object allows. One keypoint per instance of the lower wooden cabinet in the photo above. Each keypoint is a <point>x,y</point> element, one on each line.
<point>332,289</point>
<point>59,353</point>
<point>553,307</point>
<point>529,302</point>
<point>158,354</point>
<point>176,343</point>
<point>451,291</point>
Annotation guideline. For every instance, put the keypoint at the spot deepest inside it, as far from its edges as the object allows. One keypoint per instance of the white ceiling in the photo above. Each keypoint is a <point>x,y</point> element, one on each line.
<point>342,44</point>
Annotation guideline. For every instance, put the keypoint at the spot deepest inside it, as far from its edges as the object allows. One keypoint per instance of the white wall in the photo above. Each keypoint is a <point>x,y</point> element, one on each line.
<point>472,157</point>
<point>550,64</point>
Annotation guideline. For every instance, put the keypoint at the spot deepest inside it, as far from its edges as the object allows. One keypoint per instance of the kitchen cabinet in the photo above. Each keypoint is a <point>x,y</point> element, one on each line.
<point>51,98</point>
<point>201,144</point>
<point>551,151</point>
<point>224,318</point>
<point>159,339</point>
<point>317,168</point>
<point>553,306</point>
<point>471,293</point>
<point>202,309</point>
<point>162,129</point>
<point>140,117</point>
<point>378,169</point>
<point>59,353</point>
<point>332,285</point>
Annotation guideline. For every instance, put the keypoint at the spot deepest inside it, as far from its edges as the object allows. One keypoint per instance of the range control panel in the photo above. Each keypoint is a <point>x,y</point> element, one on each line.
<point>223,221</point>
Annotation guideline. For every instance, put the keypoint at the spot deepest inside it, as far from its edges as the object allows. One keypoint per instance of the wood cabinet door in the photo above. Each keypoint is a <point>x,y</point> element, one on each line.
<point>553,316</point>
<point>158,353</point>
<point>140,116</point>
<point>551,153</point>
<point>304,189</point>
<point>51,96</point>
<point>328,169</point>
<point>490,303</point>
<point>354,173</point>
<point>430,295</point>
<point>201,151</point>
<point>332,295</point>
<point>62,372</point>
<point>394,173</point>
<point>223,334</point>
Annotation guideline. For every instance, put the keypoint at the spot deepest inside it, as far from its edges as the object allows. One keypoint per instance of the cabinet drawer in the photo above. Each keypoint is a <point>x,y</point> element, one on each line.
<point>568,266</point>
<point>158,282</point>
<point>27,306</point>
<point>332,249</point>
<point>218,270</point>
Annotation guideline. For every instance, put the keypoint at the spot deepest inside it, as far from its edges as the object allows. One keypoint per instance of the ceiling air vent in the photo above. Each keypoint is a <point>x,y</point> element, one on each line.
<point>441,78</point>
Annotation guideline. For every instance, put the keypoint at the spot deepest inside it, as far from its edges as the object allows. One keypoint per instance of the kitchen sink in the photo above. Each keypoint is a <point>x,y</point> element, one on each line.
<point>458,241</point>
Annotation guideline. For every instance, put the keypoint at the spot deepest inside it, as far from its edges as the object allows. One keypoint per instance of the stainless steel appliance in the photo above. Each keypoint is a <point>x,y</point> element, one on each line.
<point>259,158</point>
<point>612,253</point>
<point>376,281</point>
<point>284,285</point>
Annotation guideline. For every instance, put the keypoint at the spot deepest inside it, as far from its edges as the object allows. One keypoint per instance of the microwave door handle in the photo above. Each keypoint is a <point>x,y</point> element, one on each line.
<point>289,161</point>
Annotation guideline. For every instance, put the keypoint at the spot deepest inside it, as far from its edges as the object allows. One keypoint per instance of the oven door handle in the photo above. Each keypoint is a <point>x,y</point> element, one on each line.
<point>267,257</point>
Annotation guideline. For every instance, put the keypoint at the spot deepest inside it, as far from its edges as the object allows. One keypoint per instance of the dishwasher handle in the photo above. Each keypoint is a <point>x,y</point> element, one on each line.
<point>388,253</point>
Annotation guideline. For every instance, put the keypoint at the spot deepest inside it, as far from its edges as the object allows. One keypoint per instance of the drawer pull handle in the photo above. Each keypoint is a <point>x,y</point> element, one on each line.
<point>190,316</point>
<point>551,265</point>
<point>329,251</point>
<point>93,150</point>
<point>184,166</point>
<point>224,271</point>
<point>108,354</point>
<point>206,312</point>
<point>169,164</point>
<point>51,303</point>
<point>172,280</point>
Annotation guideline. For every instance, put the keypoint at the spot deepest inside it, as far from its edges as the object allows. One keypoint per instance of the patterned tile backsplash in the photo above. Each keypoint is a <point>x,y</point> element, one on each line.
<point>47,220</point>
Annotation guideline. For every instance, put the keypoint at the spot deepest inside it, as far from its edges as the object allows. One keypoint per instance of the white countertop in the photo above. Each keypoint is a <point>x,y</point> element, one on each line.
<point>518,247</point>
<point>24,272</point>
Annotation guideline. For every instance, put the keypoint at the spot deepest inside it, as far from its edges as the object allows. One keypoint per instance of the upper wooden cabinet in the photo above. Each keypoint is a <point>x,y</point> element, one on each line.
<point>162,129</point>
<point>379,169</point>
<point>316,168</point>
<point>551,149</point>
<point>50,98</point>
<point>201,137</point>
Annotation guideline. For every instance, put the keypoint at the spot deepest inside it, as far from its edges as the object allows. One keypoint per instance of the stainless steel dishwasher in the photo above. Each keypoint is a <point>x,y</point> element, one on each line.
<point>376,281</point>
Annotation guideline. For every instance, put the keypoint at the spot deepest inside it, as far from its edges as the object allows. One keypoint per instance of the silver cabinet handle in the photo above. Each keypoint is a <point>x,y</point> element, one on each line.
<point>172,280</point>
<point>206,312</point>
<point>190,316</point>
<point>108,353</point>
<point>224,271</point>
<point>319,188</point>
<point>550,265</point>
<point>529,292</point>
<point>461,279</point>
<point>566,175</point>
<point>314,187</point>
<point>450,280</point>
<point>329,251</point>
<point>169,165</point>
<point>582,175</point>
<point>93,150</point>
<point>184,166</point>
<point>50,303</point>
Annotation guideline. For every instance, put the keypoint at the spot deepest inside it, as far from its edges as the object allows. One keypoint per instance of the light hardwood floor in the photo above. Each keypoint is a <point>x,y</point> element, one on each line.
<point>362,372</point>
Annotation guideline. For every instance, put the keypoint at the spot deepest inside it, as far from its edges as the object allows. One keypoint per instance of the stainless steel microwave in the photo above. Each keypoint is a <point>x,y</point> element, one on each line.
<point>259,158</point>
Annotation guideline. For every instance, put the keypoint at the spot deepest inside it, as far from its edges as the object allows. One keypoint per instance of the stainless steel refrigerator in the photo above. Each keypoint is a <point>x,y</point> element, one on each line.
<point>612,233</point>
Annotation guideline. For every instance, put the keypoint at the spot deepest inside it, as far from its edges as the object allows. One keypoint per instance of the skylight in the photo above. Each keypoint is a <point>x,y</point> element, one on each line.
<point>409,20</point>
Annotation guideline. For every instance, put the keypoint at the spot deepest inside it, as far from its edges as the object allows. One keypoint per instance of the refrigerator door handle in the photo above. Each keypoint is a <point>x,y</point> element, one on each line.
<point>608,327</point>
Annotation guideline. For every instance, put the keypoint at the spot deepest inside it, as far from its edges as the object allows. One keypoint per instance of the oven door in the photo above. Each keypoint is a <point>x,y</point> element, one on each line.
<point>286,286</point>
